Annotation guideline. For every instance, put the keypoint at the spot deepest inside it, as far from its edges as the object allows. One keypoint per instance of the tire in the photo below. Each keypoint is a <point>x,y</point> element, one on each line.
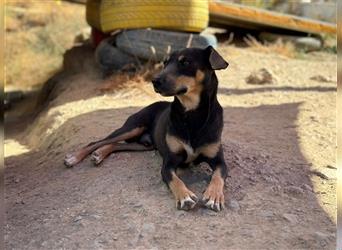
<point>183,15</point>
<point>139,42</point>
<point>110,58</point>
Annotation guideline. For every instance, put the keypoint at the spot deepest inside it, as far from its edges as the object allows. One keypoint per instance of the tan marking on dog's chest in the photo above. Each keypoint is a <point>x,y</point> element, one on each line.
<point>176,145</point>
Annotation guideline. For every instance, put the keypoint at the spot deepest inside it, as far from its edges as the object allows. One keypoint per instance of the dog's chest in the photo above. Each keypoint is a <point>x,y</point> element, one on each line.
<point>176,145</point>
<point>191,153</point>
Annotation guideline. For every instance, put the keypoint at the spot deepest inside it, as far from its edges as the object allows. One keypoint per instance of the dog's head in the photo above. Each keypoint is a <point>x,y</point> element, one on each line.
<point>184,72</point>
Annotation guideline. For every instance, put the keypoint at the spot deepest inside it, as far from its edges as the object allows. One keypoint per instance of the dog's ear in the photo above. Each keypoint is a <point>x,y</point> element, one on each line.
<point>215,60</point>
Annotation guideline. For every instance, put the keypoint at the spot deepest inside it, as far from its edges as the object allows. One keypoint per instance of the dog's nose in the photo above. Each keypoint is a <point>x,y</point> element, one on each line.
<point>156,82</point>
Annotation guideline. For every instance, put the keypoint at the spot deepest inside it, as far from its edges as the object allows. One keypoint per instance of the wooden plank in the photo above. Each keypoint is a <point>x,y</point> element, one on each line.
<point>254,18</point>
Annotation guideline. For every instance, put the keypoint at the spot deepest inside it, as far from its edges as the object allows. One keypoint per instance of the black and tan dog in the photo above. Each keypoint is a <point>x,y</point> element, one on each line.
<point>188,130</point>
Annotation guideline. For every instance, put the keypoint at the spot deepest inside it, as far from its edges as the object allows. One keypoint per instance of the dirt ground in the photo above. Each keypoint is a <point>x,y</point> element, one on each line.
<point>279,140</point>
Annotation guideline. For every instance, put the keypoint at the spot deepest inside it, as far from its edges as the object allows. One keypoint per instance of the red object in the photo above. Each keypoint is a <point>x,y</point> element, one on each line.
<point>97,36</point>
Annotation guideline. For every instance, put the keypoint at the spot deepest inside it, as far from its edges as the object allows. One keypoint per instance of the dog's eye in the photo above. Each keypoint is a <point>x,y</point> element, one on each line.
<point>166,61</point>
<point>184,62</point>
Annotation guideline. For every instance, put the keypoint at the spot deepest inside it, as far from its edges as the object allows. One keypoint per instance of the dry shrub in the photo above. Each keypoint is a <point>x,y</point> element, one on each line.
<point>287,49</point>
<point>132,84</point>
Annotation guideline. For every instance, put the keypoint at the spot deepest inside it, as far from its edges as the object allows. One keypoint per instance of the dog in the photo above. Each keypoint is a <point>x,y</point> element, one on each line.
<point>187,130</point>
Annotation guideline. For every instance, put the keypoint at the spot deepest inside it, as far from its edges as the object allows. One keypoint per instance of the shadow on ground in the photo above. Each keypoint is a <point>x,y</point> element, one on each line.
<point>227,91</point>
<point>124,204</point>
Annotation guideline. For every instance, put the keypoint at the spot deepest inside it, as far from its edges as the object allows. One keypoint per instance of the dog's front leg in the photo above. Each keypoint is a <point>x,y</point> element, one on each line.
<point>185,198</point>
<point>213,196</point>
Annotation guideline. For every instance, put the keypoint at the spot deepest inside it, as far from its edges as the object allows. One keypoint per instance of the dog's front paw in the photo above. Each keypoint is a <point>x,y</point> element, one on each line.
<point>213,198</point>
<point>186,200</point>
<point>187,203</point>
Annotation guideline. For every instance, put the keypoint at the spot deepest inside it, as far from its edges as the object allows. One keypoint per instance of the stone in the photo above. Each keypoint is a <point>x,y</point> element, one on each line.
<point>147,229</point>
<point>320,78</point>
<point>234,205</point>
<point>206,211</point>
<point>78,218</point>
<point>307,187</point>
<point>292,218</point>
<point>262,76</point>
<point>294,190</point>
<point>266,214</point>
<point>323,238</point>
<point>180,213</point>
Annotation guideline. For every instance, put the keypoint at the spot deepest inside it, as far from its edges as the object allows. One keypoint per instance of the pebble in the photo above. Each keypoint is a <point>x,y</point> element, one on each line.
<point>321,235</point>
<point>125,216</point>
<point>138,205</point>
<point>78,218</point>
<point>266,214</point>
<point>22,202</point>
<point>331,167</point>
<point>262,76</point>
<point>234,205</point>
<point>320,78</point>
<point>293,190</point>
<point>180,213</point>
<point>205,211</point>
<point>212,226</point>
<point>292,218</point>
<point>276,189</point>
<point>307,187</point>
<point>147,229</point>
<point>322,238</point>
<point>247,233</point>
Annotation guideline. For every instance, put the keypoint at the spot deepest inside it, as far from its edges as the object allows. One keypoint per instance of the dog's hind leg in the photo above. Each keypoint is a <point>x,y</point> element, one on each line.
<point>101,153</point>
<point>131,131</point>
<point>120,134</point>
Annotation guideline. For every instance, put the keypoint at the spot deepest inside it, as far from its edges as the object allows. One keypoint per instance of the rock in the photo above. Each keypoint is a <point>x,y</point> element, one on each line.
<point>125,216</point>
<point>269,179</point>
<point>205,211</point>
<point>246,232</point>
<point>323,238</point>
<point>234,205</point>
<point>320,235</point>
<point>276,189</point>
<point>294,190</point>
<point>147,229</point>
<point>292,218</point>
<point>266,214</point>
<point>307,187</point>
<point>212,225</point>
<point>319,174</point>
<point>320,78</point>
<point>180,213</point>
<point>22,202</point>
<point>331,167</point>
<point>138,205</point>
<point>262,76</point>
<point>78,218</point>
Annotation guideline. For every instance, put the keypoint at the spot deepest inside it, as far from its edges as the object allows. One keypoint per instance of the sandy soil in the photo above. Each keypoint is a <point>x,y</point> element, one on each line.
<point>36,32</point>
<point>279,140</point>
